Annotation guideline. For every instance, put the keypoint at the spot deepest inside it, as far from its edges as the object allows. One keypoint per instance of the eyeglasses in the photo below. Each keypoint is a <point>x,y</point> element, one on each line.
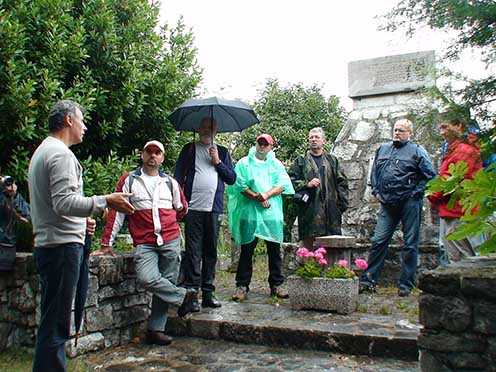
<point>263,144</point>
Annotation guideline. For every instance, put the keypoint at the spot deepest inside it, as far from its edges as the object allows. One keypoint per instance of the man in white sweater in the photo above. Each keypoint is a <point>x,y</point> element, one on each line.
<point>61,219</point>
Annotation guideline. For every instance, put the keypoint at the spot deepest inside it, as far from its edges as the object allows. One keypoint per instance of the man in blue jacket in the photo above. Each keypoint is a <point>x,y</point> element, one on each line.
<point>400,172</point>
<point>202,169</point>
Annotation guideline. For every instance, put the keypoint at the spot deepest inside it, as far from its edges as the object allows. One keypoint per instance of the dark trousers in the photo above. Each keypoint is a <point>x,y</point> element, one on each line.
<point>59,269</point>
<point>202,231</point>
<point>409,214</point>
<point>245,265</point>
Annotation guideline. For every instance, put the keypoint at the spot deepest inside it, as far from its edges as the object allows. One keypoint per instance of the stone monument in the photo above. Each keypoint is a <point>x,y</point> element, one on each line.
<point>383,90</point>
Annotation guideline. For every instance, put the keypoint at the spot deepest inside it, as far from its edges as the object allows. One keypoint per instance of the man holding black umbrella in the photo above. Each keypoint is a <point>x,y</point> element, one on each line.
<point>202,169</point>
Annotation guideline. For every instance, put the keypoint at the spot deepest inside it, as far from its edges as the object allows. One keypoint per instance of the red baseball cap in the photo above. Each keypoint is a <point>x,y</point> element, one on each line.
<point>266,137</point>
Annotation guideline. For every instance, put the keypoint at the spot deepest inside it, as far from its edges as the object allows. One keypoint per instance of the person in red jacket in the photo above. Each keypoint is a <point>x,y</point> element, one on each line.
<point>159,204</point>
<point>460,148</point>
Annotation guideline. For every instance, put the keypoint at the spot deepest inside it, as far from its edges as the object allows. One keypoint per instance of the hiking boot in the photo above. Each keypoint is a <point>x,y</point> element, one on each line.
<point>367,289</point>
<point>188,305</point>
<point>209,300</point>
<point>403,292</point>
<point>278,291</point>
<point>157,338</point>
<point>240,294</point>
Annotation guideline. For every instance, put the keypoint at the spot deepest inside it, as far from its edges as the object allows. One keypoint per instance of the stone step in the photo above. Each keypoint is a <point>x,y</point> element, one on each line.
<point>266,324</point>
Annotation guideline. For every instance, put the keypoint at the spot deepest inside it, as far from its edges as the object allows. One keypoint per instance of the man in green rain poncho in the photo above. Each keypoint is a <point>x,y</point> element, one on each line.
<point>255,212</point>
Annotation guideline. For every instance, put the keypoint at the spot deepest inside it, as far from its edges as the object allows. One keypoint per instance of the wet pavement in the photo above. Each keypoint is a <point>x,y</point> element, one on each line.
<point>187,354</point>
<point>263,333</point>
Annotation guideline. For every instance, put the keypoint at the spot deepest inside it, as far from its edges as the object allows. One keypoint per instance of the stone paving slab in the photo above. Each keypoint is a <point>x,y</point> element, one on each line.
<point>187,354</point>
<point>263,324</point>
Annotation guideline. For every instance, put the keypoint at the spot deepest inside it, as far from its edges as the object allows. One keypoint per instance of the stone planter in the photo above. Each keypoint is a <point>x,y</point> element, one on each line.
<point>340,295</point>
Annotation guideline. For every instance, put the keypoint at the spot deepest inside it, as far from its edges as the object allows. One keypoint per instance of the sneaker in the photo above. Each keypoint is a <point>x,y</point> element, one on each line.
<point>278,291</point>
<point>240,294</point>
<point>367,289</point>
<point>403,292</point>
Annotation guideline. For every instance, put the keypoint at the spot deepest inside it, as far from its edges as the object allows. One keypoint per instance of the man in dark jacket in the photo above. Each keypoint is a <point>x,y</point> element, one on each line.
<point>323,190</point>
<point>400,172</point>
<point>13,208</point>
<point>202,169</point>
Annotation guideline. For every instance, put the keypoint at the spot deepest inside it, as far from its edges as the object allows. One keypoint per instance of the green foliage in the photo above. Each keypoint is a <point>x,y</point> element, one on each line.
<point>288,113</point>
<point>477,196</point>
<point>473,26</point>
<point>339,272</point>
<point>309,270</point>
<point>109,55</point>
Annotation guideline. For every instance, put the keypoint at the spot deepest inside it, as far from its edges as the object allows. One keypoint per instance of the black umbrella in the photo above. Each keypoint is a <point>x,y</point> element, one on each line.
<point>230,115</point>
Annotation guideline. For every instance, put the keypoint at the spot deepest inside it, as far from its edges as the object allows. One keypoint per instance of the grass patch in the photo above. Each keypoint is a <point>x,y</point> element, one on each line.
<point>21,360</point>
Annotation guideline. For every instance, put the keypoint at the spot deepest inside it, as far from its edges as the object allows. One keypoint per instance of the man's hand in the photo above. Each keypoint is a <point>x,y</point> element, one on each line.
<point>103,251</point>
<point>120,202</point>
<point>90,226</point>
<point>214,154</point>
<point>265,204</point>
<point>262,196</point>
<point>314,182</point>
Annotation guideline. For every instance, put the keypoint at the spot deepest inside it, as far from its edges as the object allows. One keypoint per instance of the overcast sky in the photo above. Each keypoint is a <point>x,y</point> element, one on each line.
<point>242,43</point>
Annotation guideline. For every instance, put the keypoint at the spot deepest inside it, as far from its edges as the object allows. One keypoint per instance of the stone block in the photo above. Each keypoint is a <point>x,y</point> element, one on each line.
<point>485,317</point>
<point>363,131</point>
<point>451,313</point>
<point>86,344</point>
<point>441,282</point>
<point>92,298</point>
<point>482,287</point>
<point>471,361</point>
<point>391,74</point>
<point>5,330</point>
<point>99,318</point>
<point>372,102</point>
<point>432,362</point>
<point>371,114</point>
<point>451,342</point>
<point>345,151</point>
<point>23,298</point>
<point>205,328</point>
<point>136,299</point>
<point>335,241</point>
<point>130,315</point>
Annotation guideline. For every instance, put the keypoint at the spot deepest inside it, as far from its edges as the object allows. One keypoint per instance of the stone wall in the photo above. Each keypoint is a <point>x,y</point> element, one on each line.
<point>115,312</point>
<point>458,312</point>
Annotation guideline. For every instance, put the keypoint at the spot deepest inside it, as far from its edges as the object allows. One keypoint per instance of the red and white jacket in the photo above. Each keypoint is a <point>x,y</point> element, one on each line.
<point>155,219</point>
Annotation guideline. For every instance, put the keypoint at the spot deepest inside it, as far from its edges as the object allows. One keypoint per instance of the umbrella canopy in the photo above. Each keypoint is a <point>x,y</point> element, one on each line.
<point>230,115</point>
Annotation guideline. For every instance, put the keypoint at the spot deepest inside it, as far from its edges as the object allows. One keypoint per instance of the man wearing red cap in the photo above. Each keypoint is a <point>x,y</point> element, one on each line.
<point>255,212</point>
<point>159,204</point>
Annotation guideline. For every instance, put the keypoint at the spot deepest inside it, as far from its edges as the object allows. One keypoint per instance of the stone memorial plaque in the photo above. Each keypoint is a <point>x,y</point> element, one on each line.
<point>391,74</point>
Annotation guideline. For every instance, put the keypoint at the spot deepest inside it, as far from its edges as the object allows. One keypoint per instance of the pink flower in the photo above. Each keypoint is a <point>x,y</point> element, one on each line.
<point>343,263</point>
<point>302,252</point>
<point>310,255</point>
<point>318,255</point>
<point>322,261</point>
<point>321,250</point>
<point>361,263</point>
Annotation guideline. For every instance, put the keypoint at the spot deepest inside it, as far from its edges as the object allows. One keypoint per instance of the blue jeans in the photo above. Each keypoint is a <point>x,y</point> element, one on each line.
<point>59,269</point>
<point>157,268</point>
<point>409,213</point>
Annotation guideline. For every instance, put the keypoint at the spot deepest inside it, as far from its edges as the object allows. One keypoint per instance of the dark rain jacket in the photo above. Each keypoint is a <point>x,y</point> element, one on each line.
<point>400,171</point>
<point>10,210</point>
<point>321,216</point>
